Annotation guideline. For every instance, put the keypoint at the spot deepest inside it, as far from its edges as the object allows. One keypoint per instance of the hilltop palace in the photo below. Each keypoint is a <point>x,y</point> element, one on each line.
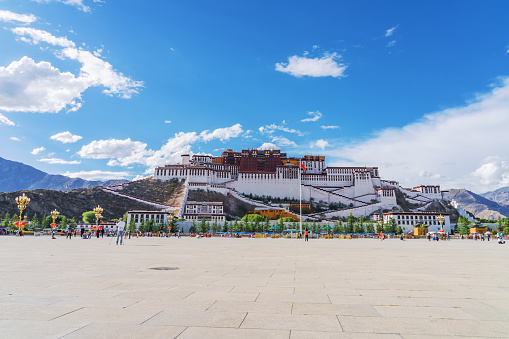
<point>272,173</point>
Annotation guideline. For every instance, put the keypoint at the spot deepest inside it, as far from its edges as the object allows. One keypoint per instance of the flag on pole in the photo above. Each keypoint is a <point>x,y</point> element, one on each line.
<point>303,167</point>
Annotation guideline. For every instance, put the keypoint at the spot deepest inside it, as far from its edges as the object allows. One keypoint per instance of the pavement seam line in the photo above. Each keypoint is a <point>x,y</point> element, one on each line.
<point>178,335</point>
<point>151,317</point>
<point>187,295</point>
<point>342,329</point>
<point>65,335</point>
<point>67,313</point>
<point>243,319</point>
<point>215,301</point>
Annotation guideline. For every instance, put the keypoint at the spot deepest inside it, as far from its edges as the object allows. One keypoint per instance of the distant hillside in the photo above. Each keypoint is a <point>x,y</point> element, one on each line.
<point>71,203</point>
<point>479,206</point>
<point>500,196</point>
<point>15,176</point>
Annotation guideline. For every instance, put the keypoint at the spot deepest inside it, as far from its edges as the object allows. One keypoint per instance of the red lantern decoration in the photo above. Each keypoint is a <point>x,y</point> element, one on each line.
<point>53,225</point>
<point>169,228</point>
<point>16,223</point>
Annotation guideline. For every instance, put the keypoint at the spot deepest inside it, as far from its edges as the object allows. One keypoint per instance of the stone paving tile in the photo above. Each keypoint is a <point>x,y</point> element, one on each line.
<point>335,309</point>
<point>37,328</point>
<point>225,333</point>
<point>194,318</point>
<point>302,297</point>
<point>422,312</point>
<point>34,312</point>
<point>98,330</point>
<point>110,315</point>
<point>251,307</point>
<point>292,322</point>
<point>333,335</point>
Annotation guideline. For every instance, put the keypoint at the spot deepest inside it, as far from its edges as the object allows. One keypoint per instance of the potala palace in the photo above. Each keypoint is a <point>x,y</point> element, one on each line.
<point>272,173</point>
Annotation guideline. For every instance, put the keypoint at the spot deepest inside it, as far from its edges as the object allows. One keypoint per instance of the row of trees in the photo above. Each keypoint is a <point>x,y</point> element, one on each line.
<point>257,223</point>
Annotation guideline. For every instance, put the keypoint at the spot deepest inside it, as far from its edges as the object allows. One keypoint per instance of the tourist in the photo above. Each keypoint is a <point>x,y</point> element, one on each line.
<point>120,230</point>
<point>102,232</point>
<point>69,232</point>
<point>82,231</point>
<point>381,235</point>
<point>306,235</point>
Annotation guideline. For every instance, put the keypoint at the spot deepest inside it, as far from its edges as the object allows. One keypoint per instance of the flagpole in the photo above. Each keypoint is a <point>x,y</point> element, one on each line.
<point>300,196</point>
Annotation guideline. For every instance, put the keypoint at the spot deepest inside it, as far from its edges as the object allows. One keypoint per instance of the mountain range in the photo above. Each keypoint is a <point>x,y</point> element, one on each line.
<point>15,176</point>
<point>485,206</point>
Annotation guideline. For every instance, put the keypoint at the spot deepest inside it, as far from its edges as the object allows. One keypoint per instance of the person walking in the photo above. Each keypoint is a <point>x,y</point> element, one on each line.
<point>69,232</point>
<point>306,235</point>
<point>120,230</point>
<point>102,232</point>
<point>82,231</point>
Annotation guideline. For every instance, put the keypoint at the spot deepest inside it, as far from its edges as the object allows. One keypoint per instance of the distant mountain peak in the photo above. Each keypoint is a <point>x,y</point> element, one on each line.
<point>16,176</point>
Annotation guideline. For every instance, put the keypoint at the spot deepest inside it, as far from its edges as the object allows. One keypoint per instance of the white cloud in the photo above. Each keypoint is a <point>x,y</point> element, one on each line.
<point>320,144</point>
<point>15,139</point>
<point>97,175</point>
<point>494,172</point>
<point>167,121</point>
<point>77,3</point>
<point>328,65</point>
<point>8,16</point>
<point>390,31</point>
<point>314,116</point>
<point>269,129</point>
<point>35,36</point>
<point>38,150</point>
<point>268,145</point>
<point>66,137</point>
<point>171,151</point>
<point>283,142</point>
<point>97,72</point>
<point>5,121</point>
<point>223,134</point>
<point>329,127</point>
<point>121,152</point>
<point>38,87</point>
<point>391,43</point>
<point>128,152</point>
<point>57,161</point>
<point>451,145</point>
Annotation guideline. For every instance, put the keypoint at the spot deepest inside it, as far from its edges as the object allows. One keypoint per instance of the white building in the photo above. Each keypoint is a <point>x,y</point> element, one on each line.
<point>210,211</point>
<point>408,220</point>
<point>159,217</point>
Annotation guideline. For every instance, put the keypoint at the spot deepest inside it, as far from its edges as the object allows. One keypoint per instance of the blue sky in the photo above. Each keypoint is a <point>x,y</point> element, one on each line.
<point>108,89</point>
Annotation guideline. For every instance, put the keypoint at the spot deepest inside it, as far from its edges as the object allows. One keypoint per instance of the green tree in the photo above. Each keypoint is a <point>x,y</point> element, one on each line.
<point>236,227</point>
<point>132,226</point>
<point>72,223</point>
<point>63,223</point>
<point>499,223</point>
<point>35,222</point>
<point>7,219</point>
<point>464,225</point>
<point>89,217</point>
<point>266,226</point>
<point>225,226</point>
<point>142,227</point>
<point>215,227</point>
<point>370,228</point>
<point>337,228</point>
<point>192,229</point>
<point>203,226</point>
<point>350,223</point>
<point>46,221</point>
<point>358,228</point>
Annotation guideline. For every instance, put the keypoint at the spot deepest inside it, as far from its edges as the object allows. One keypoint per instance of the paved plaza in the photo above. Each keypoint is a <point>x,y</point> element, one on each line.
<point>252,288</point>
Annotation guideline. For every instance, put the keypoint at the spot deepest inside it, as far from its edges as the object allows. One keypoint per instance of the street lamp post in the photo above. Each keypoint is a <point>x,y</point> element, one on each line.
<point>98,215</point>
<point>22,202</point>
<point>54,215</point>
